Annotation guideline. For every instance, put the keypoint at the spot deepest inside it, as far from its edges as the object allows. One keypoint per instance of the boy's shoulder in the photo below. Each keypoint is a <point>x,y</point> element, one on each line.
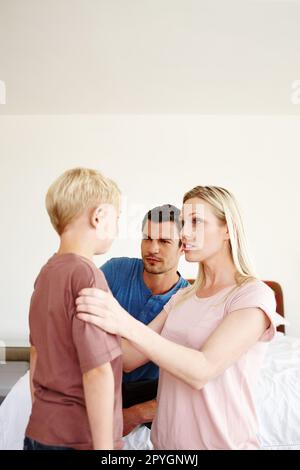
<point>71,263</point>
<point>86,273</point>
<point>81,271</point>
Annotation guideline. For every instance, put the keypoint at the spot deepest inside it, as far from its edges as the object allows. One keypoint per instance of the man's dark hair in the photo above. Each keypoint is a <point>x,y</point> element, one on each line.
<point>165,213</point>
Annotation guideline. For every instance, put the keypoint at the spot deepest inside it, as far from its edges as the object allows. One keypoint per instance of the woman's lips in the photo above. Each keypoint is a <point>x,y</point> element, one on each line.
<point>189,247</point>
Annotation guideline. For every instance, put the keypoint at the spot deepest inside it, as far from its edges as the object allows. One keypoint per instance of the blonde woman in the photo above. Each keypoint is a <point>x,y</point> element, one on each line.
<point>209,341</point>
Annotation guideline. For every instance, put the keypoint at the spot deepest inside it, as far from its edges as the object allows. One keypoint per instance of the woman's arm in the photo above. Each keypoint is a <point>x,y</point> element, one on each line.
<point>91,301</point>
<point>132,357</point>
<point>232,338</point>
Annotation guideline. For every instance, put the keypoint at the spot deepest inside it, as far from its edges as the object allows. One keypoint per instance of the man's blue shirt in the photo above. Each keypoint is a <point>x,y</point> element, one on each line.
<point>125,279</point>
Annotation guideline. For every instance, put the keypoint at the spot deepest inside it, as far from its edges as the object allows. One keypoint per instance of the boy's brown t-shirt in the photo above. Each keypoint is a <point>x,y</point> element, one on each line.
<point>66,348</point>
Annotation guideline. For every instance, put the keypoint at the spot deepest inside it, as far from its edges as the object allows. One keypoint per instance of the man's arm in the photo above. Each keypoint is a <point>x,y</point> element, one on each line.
<point>33,359</point>
<point>138,414</point>
<point>132,358</point>
<point>98,387</point>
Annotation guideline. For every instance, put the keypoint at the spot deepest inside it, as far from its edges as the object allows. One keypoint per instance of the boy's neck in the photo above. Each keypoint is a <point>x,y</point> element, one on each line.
<point>77,246</point>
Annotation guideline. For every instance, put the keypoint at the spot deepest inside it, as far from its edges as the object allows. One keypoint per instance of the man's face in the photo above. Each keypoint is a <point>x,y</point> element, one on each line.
<point>160,247</point>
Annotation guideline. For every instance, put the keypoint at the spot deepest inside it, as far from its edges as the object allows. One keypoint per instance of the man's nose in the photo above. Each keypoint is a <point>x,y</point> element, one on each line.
<point>154,247</point>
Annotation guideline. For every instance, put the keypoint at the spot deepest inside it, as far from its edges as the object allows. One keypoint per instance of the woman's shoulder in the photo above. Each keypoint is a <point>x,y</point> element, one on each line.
<point>253,291</point>
<point>175,299</point>
<point>255,286</point>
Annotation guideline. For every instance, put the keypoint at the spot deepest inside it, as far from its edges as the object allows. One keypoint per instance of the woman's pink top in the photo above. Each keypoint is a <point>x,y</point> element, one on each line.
<point>222,414</point>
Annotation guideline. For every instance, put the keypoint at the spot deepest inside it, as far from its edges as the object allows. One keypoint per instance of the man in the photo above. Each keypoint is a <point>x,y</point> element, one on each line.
<point>143,287</point>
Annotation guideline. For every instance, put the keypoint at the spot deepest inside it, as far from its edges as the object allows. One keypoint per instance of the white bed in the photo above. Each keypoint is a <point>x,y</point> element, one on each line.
<point>277,402</point>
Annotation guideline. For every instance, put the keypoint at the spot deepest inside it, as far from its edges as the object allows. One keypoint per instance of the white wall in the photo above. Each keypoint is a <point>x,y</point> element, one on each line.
<point>149,56</point>
<point>155,159</point>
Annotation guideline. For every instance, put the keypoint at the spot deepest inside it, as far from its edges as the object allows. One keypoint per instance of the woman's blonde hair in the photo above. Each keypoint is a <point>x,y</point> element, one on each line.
<point>225,208</point>
<point>76,190</point>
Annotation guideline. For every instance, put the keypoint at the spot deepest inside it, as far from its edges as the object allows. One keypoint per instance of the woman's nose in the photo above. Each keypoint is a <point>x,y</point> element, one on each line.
<point>186,232</point>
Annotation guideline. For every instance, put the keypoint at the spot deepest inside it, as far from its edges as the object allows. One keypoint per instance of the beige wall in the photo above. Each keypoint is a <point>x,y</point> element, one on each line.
<point>149,56</point>
<point>155,159</point>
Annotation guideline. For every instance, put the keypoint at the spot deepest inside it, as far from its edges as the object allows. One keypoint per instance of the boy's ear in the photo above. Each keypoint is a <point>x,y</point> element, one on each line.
<point>96,215</point>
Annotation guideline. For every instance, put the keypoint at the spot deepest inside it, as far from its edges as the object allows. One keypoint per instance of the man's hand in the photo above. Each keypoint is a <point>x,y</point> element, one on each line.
<point>131,419</point>
<point>138,414</point>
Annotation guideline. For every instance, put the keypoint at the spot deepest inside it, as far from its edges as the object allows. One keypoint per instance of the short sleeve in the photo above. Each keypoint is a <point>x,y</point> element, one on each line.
<point>94,346</point>
<point>109,270</point>
<point>257,294</point>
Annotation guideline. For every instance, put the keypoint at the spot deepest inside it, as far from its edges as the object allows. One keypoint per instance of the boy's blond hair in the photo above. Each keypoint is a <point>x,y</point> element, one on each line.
<point>76,190</point>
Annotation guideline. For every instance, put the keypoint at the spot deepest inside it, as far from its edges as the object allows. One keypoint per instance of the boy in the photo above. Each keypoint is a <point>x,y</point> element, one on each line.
<point>75,368</point>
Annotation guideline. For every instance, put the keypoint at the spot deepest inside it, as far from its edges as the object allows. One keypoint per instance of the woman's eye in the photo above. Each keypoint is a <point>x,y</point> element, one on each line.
<point>197,220</point>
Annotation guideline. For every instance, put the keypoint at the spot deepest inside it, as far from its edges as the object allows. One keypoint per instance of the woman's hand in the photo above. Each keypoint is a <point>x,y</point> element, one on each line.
<point>101,309</point>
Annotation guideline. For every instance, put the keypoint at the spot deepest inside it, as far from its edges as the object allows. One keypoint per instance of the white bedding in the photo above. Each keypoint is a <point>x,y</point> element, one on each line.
<point>277,402</point>
<point>278,395</point>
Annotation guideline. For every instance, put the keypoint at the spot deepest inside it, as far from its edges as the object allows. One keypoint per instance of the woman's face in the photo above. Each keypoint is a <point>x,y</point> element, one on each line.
<point>203,235</point>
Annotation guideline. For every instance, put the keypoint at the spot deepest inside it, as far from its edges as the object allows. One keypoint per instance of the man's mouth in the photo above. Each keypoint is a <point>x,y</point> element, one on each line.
<point>150,259</point>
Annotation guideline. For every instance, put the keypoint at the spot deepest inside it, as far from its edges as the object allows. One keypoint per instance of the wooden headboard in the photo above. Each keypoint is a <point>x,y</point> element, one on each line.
<point>17,353</point>
<point>278,296</point>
